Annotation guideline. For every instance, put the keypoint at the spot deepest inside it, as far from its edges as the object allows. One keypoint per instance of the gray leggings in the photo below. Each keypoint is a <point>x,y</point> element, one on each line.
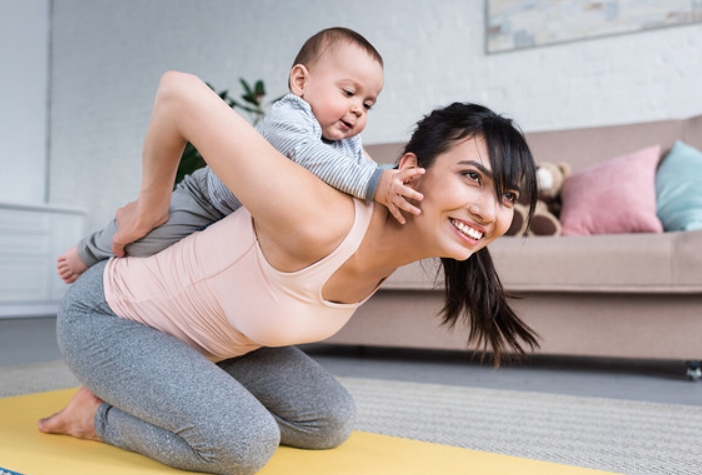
<point>165,400</point>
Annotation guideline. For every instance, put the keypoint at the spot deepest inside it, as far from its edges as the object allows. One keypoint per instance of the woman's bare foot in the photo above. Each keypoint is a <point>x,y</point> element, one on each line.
<point>76,419</point>
<point>70,266</point>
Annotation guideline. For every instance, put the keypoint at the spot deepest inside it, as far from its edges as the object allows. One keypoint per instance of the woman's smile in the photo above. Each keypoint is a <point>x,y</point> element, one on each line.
<point>467,230</point>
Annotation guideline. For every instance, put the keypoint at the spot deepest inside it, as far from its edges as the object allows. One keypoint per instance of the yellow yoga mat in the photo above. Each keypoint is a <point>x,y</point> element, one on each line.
<point>25,450</point>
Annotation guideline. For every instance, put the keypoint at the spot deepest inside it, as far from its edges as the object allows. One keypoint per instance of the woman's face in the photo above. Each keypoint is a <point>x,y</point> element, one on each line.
<point>461,212</point>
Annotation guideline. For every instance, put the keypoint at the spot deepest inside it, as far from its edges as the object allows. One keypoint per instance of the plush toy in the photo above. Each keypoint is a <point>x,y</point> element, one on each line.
<point>549,180</point>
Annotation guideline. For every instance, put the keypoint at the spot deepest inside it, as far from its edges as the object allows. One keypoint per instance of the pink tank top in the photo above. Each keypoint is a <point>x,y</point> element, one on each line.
<point>215,290</point>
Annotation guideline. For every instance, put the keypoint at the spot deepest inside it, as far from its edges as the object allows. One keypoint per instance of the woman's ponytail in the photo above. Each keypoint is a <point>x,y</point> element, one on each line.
<point>475,294</point>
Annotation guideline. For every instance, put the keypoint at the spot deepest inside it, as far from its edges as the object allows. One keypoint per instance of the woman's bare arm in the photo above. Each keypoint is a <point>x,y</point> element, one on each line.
<point>293,209</point>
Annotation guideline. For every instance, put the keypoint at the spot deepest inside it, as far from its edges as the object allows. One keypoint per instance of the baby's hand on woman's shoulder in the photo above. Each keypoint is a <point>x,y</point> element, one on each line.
<point>393,192</point>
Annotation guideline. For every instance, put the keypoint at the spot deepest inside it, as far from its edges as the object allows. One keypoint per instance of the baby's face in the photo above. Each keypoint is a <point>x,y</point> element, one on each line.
<point>341,88</point>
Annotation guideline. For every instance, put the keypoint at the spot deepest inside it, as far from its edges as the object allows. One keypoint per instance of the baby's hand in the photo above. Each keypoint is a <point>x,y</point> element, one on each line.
<point>393,192</point>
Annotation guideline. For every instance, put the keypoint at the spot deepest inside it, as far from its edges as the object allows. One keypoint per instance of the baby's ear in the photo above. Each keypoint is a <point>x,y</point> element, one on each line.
<point>298,79</point>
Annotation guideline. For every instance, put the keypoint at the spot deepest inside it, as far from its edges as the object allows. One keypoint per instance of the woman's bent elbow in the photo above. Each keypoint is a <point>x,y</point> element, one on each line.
<point>174,82</point>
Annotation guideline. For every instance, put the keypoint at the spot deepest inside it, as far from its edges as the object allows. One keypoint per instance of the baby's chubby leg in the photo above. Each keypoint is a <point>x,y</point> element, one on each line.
<point>190,211</point>
<point>90,250</point>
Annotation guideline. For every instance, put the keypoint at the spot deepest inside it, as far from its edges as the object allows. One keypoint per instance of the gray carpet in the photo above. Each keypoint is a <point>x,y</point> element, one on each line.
<point>628,437</point>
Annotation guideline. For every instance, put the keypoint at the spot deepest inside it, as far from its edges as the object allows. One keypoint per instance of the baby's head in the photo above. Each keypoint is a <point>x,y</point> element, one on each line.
<point>340,75</point>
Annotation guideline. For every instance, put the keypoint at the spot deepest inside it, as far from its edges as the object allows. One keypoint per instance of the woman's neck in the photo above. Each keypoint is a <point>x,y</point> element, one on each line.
<point>388,244</point>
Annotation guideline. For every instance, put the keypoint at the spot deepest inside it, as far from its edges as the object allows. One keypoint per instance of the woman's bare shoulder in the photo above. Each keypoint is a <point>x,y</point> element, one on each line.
<point>320,229</point>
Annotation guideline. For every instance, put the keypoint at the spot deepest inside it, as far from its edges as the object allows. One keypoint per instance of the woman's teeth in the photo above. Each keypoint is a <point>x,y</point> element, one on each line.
<point>467,230</point>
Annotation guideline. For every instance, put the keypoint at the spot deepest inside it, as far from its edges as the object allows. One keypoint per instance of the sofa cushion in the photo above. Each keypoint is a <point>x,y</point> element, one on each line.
<point>679,190</point>
<point>615,196</point>
<point>614,263</point>
<point>634,263</point>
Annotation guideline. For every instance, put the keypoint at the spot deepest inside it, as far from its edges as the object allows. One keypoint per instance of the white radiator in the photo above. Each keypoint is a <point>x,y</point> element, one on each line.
<point>31,239</point>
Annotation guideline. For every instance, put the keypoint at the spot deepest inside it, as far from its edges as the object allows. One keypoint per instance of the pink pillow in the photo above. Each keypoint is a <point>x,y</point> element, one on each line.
<point>616,196</point>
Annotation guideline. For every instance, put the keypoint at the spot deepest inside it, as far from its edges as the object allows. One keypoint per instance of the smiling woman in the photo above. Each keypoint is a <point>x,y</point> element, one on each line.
<point>484,152</point>
<point>214,317</point>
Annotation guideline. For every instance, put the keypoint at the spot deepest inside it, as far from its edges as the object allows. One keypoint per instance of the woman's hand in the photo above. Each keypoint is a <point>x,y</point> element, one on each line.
<point>132,225</point>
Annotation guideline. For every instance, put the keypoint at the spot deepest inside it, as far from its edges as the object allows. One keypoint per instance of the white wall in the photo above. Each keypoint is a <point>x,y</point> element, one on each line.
<point>108,56</point>
<point>24,41</point>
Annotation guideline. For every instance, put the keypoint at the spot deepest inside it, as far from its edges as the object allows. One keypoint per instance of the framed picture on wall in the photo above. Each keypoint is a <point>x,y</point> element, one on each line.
<point>518,24</point>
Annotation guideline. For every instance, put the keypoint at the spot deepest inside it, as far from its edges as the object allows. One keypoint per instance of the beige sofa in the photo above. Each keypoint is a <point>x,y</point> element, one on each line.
<point>624,295</point>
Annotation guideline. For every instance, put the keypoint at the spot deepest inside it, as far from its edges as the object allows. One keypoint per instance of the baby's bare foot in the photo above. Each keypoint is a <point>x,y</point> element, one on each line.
<point>70,266</point>
<point>76,419</point>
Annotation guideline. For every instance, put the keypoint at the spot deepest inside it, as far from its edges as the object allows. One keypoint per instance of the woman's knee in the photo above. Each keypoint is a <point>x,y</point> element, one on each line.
<point>244,455</point>
<point>338,422</point>
<point>332,424</point>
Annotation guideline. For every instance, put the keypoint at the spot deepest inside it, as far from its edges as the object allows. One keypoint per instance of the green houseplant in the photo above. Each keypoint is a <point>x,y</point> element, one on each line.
<point>250,101</point>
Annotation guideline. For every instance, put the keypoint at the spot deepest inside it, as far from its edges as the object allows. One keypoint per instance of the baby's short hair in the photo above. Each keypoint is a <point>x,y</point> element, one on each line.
<point>316,45</point>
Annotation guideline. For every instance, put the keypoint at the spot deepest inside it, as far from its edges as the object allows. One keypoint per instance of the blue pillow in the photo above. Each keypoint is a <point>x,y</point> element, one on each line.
<point>679,189</point>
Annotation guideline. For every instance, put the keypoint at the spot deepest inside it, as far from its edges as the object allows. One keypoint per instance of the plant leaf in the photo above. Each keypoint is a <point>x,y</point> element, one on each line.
<point>250,98</point>
<point>247,88</point>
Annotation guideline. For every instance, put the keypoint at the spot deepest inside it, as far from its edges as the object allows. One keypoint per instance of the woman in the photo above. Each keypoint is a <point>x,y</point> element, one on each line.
<point>186,357</point>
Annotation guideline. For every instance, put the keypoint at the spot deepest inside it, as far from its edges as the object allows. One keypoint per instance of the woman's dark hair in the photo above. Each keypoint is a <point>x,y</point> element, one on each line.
<point>473,288</point>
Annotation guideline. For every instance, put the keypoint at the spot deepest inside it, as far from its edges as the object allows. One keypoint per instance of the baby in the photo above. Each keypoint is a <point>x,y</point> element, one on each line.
<point>335,80</point>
